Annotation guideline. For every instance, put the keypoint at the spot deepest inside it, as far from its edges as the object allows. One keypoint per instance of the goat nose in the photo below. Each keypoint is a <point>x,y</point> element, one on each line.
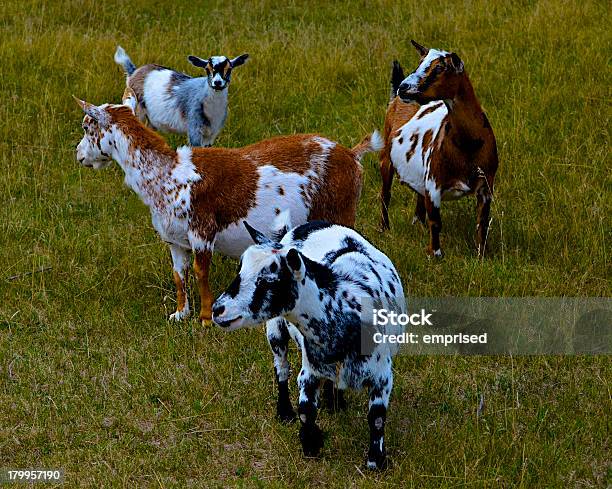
<point>218,310</point>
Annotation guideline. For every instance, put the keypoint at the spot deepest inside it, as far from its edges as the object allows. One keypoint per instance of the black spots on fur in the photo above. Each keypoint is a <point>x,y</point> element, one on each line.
<point>302,232</point>
<point>306,317</point>
<point>234,287</point>
<point>281,191</point>
<point>323,276</point>
<point>391,287</point>
<point>274,294</point>
<point>277,211</point>
<point>303,281</point>
<point>349,245</point>
<point>400,140</point>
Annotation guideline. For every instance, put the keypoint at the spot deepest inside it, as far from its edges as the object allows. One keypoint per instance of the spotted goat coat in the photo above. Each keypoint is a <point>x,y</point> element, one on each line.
<point>198,197</point>
<point>439,142</point>
<point>171,101</point>
<point>311,286</point>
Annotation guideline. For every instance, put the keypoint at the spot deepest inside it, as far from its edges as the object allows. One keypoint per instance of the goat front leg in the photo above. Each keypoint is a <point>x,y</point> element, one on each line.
<point>434,222</point>
<point>377,416</point>
<point>180,264</point>
<point>311,435</point>
<point>202,268</point>
<point>194,133</point>
<point>386,172</point>
<point>278,338</point>
<point>483,209</point>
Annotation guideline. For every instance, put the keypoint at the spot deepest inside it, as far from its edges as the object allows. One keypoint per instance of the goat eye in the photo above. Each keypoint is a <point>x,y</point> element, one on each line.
<point>273,267</point>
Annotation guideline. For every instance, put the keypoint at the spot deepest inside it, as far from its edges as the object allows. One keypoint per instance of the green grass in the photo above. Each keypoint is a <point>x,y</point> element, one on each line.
<point>92,377</point>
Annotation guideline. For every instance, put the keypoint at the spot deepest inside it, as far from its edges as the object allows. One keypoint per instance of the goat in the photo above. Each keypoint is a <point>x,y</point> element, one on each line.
<point>172,101</point>
<point>439,141</point>
<point>311,286</point>
<point>199,196</point>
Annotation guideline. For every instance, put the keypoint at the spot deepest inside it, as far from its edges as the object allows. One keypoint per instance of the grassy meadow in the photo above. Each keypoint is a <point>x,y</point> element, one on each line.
<point>93,379</point>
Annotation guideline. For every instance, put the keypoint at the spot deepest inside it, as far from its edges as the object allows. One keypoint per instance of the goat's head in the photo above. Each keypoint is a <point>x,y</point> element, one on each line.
<point>266,286</point>
<point>218,68</point>
<point>95,150</point>
<point>437,77</point>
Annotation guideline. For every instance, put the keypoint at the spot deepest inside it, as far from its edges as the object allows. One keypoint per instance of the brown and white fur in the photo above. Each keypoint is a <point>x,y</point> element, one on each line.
<point>198,197</point>
<point>439,141</point>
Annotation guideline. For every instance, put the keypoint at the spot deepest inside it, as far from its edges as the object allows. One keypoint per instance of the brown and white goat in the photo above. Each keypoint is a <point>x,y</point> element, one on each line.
<point>439,141</point>
<point>198,197</point>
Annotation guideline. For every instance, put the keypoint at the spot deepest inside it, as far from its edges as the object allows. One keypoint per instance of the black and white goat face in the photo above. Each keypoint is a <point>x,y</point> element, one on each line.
<point>266,286</point>
<point>218,69</point>
<point>95,149</point>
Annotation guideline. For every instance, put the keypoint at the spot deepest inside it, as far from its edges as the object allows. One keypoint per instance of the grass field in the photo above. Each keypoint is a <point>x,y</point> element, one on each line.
<point>94,380</point>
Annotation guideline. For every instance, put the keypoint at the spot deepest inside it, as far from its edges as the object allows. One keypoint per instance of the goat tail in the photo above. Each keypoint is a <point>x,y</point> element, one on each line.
<point>123,60</point>
<point>397,76</point>
<point>372,142</point>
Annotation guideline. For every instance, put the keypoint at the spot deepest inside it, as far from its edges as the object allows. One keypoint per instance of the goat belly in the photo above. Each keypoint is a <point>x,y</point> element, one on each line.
<point>412,148</point>
<point>277,192</point>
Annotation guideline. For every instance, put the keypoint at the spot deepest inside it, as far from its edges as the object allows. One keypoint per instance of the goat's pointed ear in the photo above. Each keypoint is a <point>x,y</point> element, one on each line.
<point>296,264</point>
<point>239,60</point>
<point>456,62</point>
<point>129,99</point>
<point>90,109</point>
<point>199,62</point>
<point>281,225</point>
<point>422,50</point>
<point>257,236</point>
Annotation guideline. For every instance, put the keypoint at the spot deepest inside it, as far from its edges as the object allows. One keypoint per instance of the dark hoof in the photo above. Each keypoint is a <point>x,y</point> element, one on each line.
<point>311,437</point>
<point>286,413</point>
<point>377,461</point>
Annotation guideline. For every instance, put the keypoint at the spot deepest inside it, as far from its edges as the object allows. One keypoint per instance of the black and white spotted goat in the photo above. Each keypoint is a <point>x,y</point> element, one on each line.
<point>310,286</point>
<point>171,101</point>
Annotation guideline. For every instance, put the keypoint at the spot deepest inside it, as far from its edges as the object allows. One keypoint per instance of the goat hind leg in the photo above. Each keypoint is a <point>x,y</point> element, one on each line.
<point>180,264</point>
<point>483,210</point>
<point>419,212</point>
<point>311,435</point>
<point>434,220</point>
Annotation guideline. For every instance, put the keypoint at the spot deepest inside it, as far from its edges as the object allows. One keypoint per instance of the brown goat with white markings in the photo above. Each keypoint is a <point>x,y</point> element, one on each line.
<point>439,141</point>
<point>198,197</point>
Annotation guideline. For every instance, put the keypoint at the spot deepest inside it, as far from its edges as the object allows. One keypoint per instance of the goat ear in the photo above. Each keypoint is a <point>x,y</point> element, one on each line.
<point>420,49</point>
<point>257,236</point>
<point>240,60</point>
<point>90,109</point>
<point>199,62</point>
<point>296,264</point>
<point>456,62</point>
<point>281,225</point>
<point>129,99</point>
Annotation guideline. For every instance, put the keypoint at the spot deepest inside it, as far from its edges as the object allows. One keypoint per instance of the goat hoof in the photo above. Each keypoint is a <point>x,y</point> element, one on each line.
<point>286,414</point>
<point>179,315</point>
<point>434,253</point>
<point>311,437</point>
<point>380,462</point>
<point>206,322</point>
